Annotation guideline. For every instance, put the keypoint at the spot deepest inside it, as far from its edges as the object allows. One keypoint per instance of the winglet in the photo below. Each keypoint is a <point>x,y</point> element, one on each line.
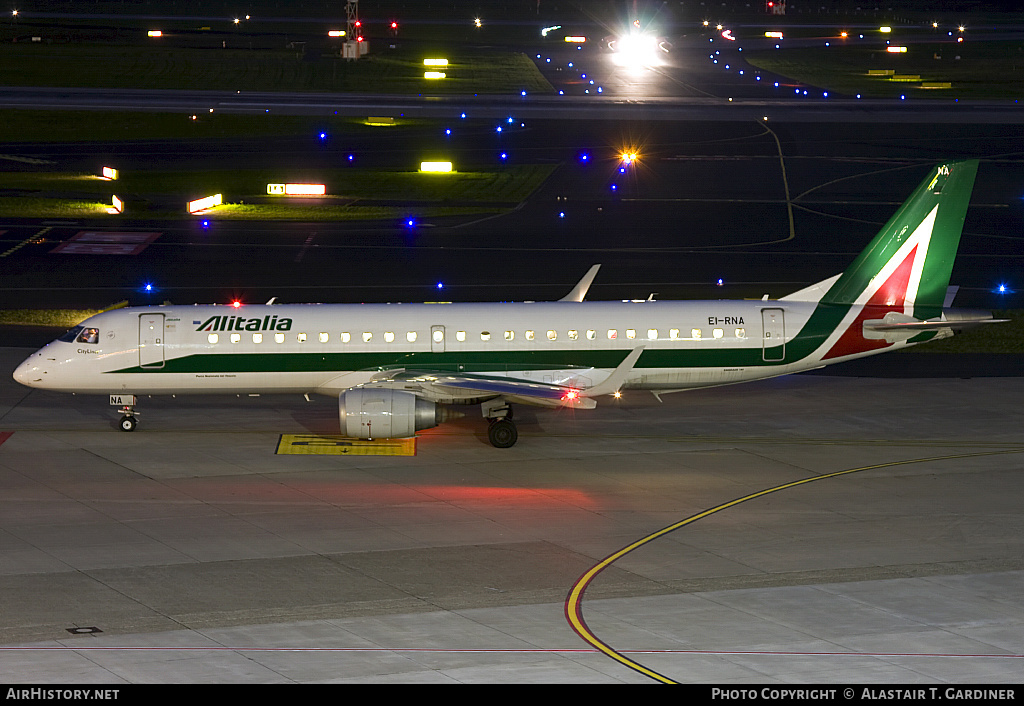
<point>613,382</point>
<point>580,290</point>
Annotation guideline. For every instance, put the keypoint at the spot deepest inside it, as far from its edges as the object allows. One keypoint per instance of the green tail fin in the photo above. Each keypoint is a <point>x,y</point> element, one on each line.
<point>912,256</point>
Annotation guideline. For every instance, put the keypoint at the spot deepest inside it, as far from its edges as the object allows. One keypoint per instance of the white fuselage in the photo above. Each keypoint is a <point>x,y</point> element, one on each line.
<point>327,348</point>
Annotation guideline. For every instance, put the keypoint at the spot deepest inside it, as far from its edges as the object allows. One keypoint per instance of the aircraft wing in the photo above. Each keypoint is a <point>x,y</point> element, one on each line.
<point>458,388</point>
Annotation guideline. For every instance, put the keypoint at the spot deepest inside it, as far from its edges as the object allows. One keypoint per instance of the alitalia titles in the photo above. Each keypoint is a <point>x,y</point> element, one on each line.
<point>240,323</point>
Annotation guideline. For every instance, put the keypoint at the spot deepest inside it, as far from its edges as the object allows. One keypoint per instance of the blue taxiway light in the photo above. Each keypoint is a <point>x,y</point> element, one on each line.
<point>440,285</point>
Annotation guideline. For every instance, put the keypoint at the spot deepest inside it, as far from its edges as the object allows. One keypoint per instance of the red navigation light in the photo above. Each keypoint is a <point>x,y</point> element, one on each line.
<point>571,396</point>
<point>394,25</point>
<point>236,303</point>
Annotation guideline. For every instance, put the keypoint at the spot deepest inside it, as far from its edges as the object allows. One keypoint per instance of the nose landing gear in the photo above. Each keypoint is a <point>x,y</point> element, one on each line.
<point>128,421</point>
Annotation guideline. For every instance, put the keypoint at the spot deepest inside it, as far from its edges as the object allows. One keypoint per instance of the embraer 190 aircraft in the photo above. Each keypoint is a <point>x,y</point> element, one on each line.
<point>395,368</point>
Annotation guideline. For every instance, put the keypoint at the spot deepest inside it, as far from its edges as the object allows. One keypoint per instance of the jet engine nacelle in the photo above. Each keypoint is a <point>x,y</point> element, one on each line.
<point>369,413</point>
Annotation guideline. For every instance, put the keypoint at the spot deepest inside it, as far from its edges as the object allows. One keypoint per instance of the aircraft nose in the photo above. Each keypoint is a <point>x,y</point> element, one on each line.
<point>30,373</point>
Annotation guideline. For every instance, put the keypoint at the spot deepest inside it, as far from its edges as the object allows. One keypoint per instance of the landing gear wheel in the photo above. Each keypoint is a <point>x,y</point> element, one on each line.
<point>128,423</point>
<point>502,434</point>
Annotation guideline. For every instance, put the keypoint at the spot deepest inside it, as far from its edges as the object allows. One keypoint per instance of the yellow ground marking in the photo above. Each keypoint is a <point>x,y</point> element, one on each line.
<point>574,601</point>
<point>320,445</point>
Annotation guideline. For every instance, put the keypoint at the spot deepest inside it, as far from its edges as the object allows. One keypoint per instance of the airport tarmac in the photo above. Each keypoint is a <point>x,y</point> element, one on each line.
<point>191,552</point>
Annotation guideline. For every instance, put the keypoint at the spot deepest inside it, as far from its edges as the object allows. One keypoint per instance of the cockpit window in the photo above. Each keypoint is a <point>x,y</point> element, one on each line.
<point>71,335</point>
<point>88,335</point>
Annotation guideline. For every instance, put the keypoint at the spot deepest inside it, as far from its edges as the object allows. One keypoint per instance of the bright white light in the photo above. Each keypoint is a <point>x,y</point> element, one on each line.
<point>434,74</point>
<point>435,166</point>
<point>203,204</point>
<point>636,50</point>
<point>435,62</point>
<point>305,189</point>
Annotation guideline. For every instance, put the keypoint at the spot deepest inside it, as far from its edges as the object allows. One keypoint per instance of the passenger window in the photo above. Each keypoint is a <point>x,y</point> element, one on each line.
<point>300,337</point>
<point>485,335</point>
<point>213,338</point>
<point>695,333</point>
<point>278,338</point>
<point>510,335</point>
<point>573,335</point>
<point>389,336</point>
<point>439,336</point>
<point>324,337</point>
<point>591,334</point>
<point>257,338</point>
<point>630,333</point>
<point>674,334</point>
<point>236,337</point>
<point>411,337</point>
<point>652,334</point>
<point>367,336</point>
<point>552,335</point>
<point>717,333</point>
<point>88,335</point>
<point>346,336</point>
<point>529,335</point>
<point>460,336</point>
<point>612,334</point>
<point>741,333</point>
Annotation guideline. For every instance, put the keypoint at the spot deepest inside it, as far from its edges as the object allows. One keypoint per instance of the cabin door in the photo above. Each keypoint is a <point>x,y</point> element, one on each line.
<point>774,338</point>
<point>151,341</point>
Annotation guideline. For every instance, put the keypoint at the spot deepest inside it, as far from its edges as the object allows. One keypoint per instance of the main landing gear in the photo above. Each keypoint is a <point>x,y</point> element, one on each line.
<point>501,432</point>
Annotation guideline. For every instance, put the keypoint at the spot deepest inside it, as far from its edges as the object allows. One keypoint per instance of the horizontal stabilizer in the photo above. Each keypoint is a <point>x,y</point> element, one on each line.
<point>956,320</point>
